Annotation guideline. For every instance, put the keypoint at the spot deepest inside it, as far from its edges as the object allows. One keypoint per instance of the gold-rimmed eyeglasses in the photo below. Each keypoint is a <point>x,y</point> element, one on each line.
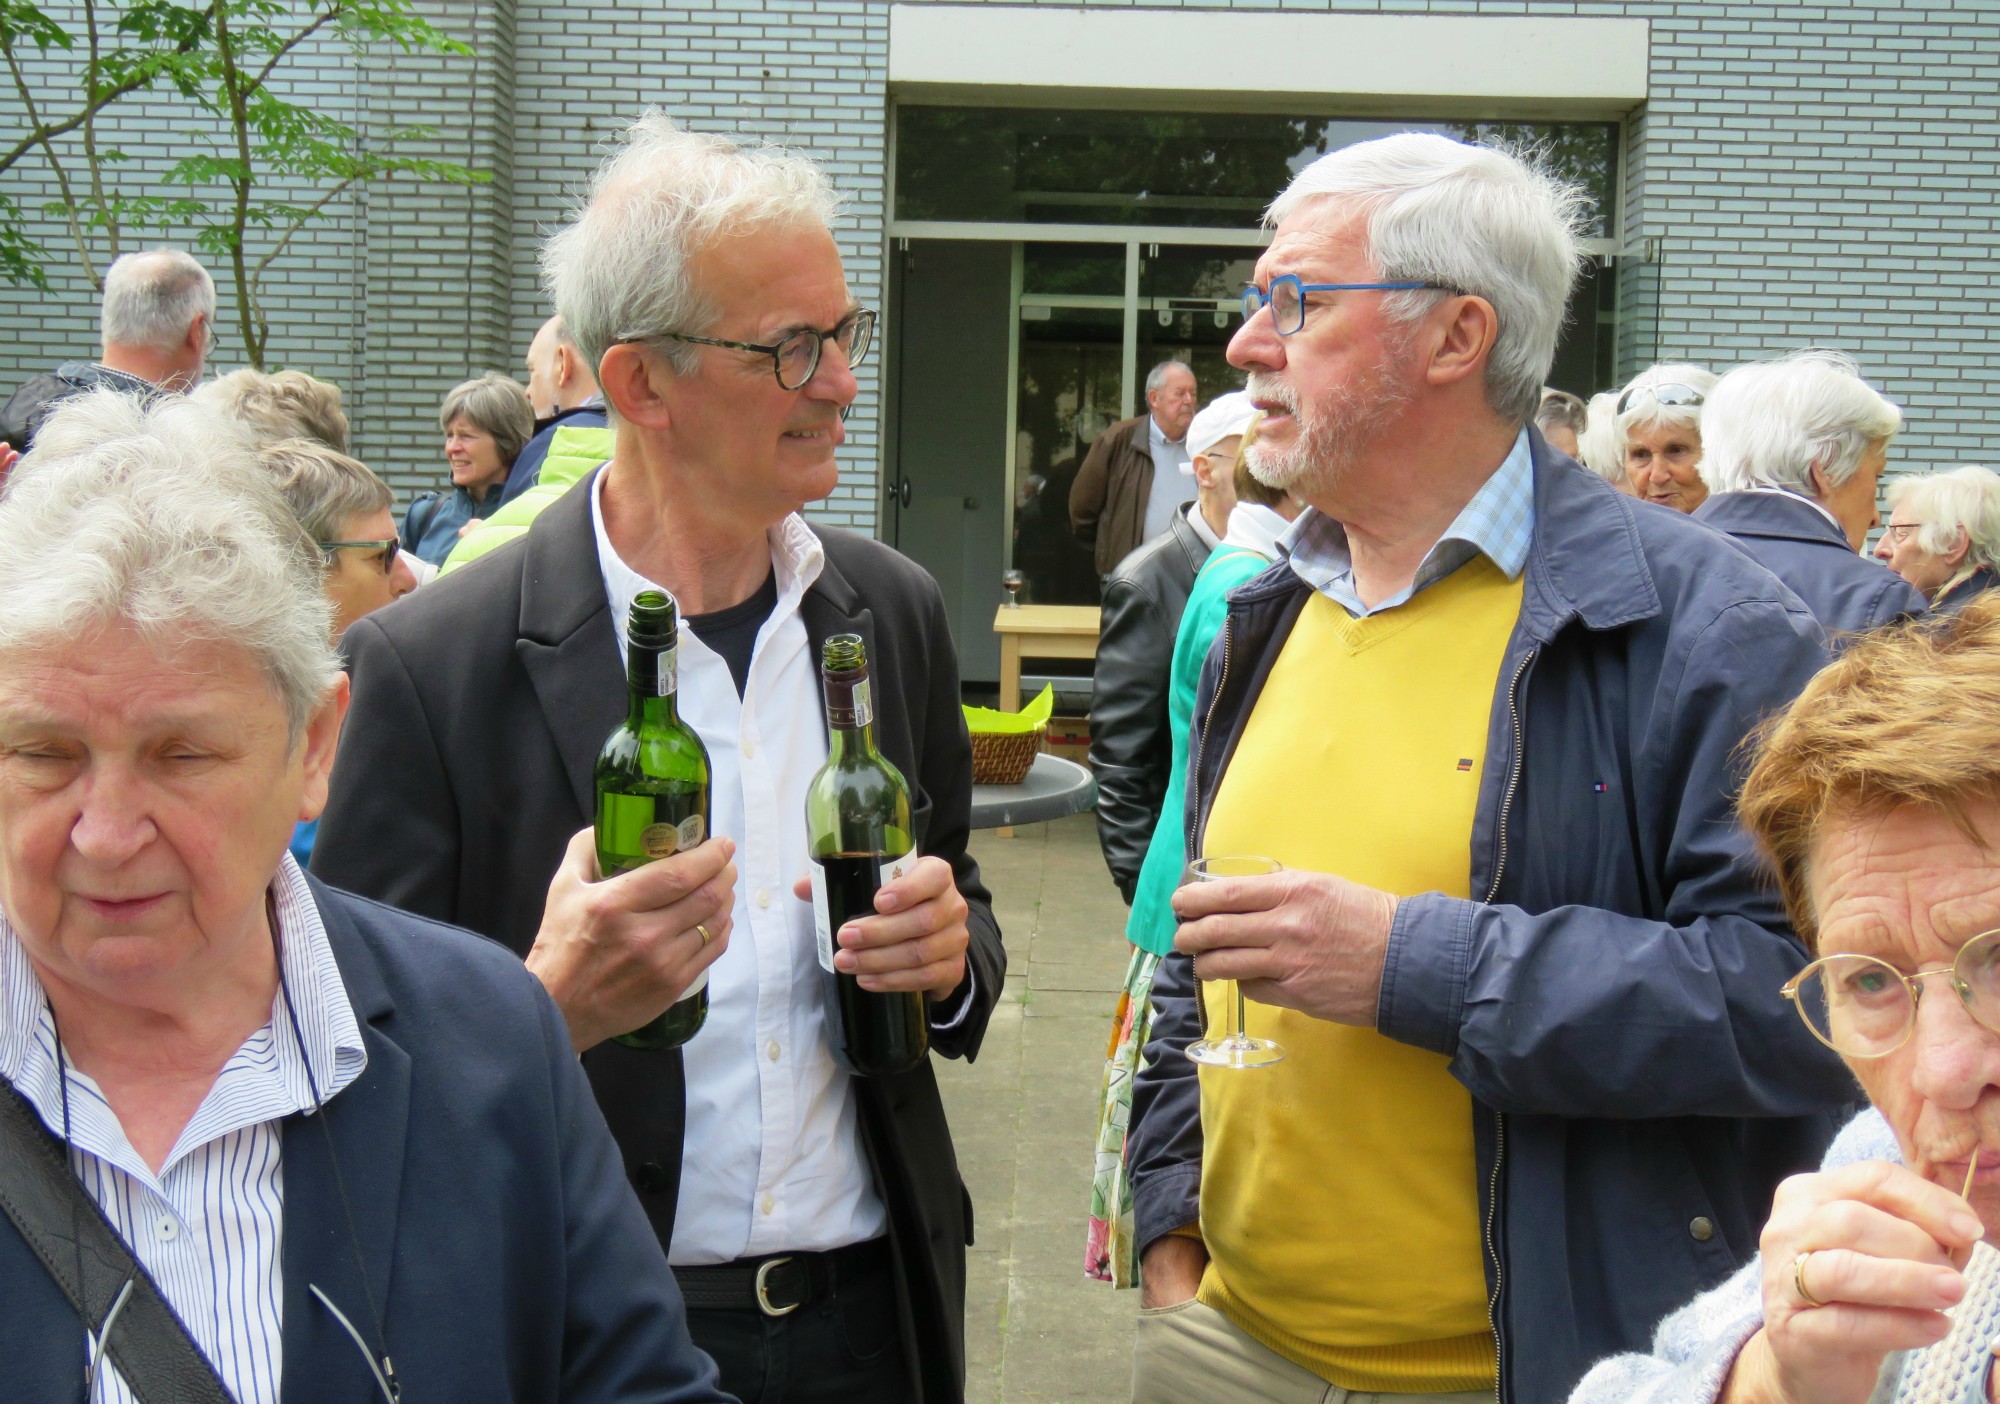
<point>1863,1007</point>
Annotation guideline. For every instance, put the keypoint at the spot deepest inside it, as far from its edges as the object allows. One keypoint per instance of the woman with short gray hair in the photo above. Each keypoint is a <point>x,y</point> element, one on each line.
<point>486,423</point>
<point>1659,429</point>
<point>1795,450</point>
<point>1944,535</point>
<point>271,1119</point>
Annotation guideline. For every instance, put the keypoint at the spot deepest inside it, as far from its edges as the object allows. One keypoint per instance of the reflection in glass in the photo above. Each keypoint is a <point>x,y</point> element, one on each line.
<point>1068,393</point>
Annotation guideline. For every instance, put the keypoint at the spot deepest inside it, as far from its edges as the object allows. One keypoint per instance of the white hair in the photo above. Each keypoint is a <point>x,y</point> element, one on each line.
<point>1601,447</point>
<point>1157,376</point>
<point>1771,423</point>
<point>1964,499</point>
<point>152,298</point>
<point>619,270</point>
<point>1645,410</point>
<point>159,516</point>
<point>1473,219</point>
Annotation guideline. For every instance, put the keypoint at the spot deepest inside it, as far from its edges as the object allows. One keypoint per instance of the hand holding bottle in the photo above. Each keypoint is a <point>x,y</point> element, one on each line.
<point>916,940</point>
<point>617,953</point>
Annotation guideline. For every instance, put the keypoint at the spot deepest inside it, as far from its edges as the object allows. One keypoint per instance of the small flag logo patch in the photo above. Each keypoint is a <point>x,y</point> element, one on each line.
<point>1600,787</point>
<point>1465,763</point>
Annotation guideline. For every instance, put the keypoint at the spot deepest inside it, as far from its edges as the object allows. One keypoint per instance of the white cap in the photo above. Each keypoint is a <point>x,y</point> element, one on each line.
<point>1220,418</point>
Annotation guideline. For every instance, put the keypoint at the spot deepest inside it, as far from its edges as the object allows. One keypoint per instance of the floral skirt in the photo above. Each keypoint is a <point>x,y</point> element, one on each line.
<point>1111,1254</point>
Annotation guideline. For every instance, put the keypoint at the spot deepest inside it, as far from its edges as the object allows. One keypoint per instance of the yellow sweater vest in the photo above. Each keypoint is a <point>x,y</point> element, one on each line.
<point>1339,1199</point>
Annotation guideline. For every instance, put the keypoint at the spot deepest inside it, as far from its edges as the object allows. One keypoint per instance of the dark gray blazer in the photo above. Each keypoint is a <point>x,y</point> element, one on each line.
<point>479,705</point>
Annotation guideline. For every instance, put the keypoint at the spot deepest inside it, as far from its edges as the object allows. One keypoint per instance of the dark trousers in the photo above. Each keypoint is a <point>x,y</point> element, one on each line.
<point>843,1347</point>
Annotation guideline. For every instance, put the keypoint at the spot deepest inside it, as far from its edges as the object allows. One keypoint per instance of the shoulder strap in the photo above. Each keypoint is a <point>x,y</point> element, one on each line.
<point>62,1224</point>
<point>416,533</point>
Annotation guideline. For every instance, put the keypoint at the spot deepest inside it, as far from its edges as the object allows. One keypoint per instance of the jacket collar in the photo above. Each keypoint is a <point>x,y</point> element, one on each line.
<point>1781,516</point>
<point>343,1187</point>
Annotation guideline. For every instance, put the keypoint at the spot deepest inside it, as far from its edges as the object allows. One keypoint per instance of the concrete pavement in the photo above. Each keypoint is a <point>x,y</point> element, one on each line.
<point>1023,1118</point>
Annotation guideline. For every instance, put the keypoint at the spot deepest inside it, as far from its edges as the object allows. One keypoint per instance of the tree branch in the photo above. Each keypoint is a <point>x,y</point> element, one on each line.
<point>90,144</point>
<point>257,273</point>
<point>49,150</point>
<point>334,12</point>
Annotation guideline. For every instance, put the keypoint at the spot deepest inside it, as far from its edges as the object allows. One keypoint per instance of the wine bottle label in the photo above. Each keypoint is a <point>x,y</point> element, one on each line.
<point>668,679</point>
<point>823,927</point>
<point>859,712</point>
<point>665,840</point>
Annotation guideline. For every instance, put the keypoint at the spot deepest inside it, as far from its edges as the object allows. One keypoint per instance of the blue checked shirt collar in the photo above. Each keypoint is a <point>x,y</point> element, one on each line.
<point>1498,523</point>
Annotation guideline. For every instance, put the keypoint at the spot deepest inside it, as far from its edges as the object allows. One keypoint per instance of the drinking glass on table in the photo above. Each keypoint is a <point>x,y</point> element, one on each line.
<point>1235,1049</point>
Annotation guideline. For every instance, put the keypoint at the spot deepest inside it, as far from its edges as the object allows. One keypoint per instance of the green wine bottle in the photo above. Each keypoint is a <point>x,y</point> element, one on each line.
<point>652,787</point>
<point>858,833</point>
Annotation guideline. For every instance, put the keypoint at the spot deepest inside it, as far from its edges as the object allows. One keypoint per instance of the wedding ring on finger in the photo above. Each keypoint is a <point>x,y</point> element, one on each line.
<point>702,931</point>
<point>1799,1279</point>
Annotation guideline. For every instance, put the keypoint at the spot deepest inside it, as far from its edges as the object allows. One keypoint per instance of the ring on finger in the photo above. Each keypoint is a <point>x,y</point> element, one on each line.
<point>702,931</point>
<point>1799,1279</point>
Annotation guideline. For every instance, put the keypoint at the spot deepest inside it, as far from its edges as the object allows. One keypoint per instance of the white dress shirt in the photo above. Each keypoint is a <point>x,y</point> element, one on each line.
<point>772,1159</point>
<point>209,1227</point>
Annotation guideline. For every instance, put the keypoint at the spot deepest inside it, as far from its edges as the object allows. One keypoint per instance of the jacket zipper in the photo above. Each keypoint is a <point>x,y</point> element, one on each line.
<point>1499,1119</point>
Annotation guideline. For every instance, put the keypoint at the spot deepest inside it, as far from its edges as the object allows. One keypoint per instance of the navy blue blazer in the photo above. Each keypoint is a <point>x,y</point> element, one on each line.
<point>508,1254</point>
<point>1847,592</point>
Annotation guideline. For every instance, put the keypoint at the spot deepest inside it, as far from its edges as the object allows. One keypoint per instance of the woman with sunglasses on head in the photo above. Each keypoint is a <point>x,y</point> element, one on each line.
<point>1877,798</point>
<point>1659,424</point>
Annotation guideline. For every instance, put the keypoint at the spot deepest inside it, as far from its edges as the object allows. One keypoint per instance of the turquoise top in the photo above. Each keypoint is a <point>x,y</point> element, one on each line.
<point>1151,924</point>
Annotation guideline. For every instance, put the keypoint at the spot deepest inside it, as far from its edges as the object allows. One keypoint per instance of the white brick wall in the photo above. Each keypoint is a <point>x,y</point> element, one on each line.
<point>1814,173</point>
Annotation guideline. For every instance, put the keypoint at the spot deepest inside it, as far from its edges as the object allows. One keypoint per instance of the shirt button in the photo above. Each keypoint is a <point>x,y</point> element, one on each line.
<point>774,1050</point>
<point>166,1229</point>
<point>1701,1230</point>
<point>768,1204</point>
<point>763,896</point>
<point>749,747</point>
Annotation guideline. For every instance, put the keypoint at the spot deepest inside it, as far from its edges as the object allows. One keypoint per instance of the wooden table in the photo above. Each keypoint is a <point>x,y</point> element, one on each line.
<point>1040,631</point>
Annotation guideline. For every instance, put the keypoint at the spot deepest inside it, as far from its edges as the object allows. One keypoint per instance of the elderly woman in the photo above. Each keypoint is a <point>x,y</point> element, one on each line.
<point>486,424</point>
<point>1795,452</point>
<point>1877,796</point>
<point>1659,430</point>
<point>307,1145</point>
<point>278,405</point>
<point>1598,447</point>
<point>1944,535</point>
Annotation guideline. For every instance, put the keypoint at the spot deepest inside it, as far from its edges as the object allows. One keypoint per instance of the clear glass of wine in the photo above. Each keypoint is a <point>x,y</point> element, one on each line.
<point>1236,1048</point>
<point>1011,581</point>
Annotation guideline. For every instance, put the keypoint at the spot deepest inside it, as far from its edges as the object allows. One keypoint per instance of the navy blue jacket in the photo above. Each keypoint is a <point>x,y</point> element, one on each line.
<point>527,469</point>
<point>1610,998</point>
<point>509,1257</point>
<point>1787,535</point>
<point>1966,591</point>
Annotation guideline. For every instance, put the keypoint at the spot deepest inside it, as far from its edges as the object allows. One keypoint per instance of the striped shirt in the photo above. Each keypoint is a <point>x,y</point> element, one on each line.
<point>1498,523</point>
<point>209,1226</point>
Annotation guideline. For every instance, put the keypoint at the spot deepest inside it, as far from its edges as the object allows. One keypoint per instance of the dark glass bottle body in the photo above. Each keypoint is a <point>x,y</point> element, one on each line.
<point>858,833</point>
<point>652,784</point>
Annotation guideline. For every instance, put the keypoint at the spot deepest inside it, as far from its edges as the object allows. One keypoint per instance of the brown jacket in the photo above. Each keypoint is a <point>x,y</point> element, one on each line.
<point>1107,503</point>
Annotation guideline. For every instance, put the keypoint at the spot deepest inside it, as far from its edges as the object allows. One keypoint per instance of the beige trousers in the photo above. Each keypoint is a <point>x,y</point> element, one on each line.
<point>1193,1354</point>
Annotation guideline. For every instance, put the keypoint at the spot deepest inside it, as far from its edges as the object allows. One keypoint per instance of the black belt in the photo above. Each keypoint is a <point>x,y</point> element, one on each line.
<point>780,1283</point>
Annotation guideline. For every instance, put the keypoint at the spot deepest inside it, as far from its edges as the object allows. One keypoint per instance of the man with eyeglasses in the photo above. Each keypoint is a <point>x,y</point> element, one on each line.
<point>816,1221</point>
<point>1535,1087</point>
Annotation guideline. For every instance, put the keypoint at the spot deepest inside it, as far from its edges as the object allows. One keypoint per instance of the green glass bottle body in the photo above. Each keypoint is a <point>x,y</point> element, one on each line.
<point>859,837</point>
<point>652,781</point>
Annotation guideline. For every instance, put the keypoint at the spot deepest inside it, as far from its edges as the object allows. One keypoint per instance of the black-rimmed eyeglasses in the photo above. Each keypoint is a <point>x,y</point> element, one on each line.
<point>794,356</point>
<point>389,549</point>
<point>1287,298</point>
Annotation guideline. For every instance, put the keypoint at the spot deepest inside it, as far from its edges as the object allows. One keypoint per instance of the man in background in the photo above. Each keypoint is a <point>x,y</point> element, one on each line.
<point>156,325</point>
<point>1135,477</point>
<point>562,391</point>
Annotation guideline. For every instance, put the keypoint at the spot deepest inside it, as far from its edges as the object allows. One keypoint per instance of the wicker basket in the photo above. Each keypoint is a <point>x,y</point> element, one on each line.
<point>999,759</point>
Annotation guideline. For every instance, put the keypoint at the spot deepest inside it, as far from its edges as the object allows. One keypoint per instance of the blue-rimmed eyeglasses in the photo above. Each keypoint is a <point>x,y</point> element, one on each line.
<point>1287,298</point>
<point>794,356</point>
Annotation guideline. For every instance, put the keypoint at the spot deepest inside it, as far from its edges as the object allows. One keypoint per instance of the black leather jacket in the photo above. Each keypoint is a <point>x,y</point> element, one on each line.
<point>1130,750</point>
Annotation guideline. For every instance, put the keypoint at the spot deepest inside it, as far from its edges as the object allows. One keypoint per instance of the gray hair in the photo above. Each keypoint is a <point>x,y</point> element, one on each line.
<point>273,407</point>
<point>152,298</point>
<point>1600,445</point>
<point>1473,219</point>
<point>1770,423</point>
<point>1964,499</point>
<point>497,405</point>
<point>1560,409</point>
<point>159,515</point>
<point>324,489</point>
<point>1157,376</point>
<point>620,270</point>
<point>1645,410</point>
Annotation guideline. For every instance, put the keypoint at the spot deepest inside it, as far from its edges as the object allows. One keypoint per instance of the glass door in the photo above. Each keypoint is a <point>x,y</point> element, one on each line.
<point>1190,305</point>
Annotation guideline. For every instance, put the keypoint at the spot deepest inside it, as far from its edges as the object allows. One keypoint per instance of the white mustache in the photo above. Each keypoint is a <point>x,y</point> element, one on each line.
<point>1272,390</point>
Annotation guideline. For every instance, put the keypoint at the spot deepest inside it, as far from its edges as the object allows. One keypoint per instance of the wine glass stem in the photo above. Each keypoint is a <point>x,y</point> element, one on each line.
<point>1242,1027</point>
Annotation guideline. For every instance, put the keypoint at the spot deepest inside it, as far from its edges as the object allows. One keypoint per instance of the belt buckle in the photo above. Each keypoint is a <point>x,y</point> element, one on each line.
<point>764,1289</point>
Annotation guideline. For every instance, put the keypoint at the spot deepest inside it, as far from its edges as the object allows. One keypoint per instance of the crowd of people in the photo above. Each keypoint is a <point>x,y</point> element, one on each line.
<point>1614,812</point>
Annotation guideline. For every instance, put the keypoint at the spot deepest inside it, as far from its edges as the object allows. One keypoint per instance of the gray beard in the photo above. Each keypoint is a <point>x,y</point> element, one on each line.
<point>1333,436</point>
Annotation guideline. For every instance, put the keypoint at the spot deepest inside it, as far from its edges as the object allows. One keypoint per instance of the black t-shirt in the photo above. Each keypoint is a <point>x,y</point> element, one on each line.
<point>732,632</point>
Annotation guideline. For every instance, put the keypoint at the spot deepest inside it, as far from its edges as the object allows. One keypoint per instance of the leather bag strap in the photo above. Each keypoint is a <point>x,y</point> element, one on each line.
<point>64,1227</point>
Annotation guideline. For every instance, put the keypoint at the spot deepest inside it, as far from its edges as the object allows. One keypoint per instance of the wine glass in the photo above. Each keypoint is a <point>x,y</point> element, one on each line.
<point>1235,1049</point>
<point>1011,581</point>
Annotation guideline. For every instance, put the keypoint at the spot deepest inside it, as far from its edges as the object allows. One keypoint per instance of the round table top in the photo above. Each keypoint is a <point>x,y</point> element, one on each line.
<point>1053,788</point>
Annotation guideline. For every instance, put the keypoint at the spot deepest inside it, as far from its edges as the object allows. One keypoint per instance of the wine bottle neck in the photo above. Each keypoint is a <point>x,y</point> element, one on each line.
<point>850,716</point>
<point>652,675</point>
